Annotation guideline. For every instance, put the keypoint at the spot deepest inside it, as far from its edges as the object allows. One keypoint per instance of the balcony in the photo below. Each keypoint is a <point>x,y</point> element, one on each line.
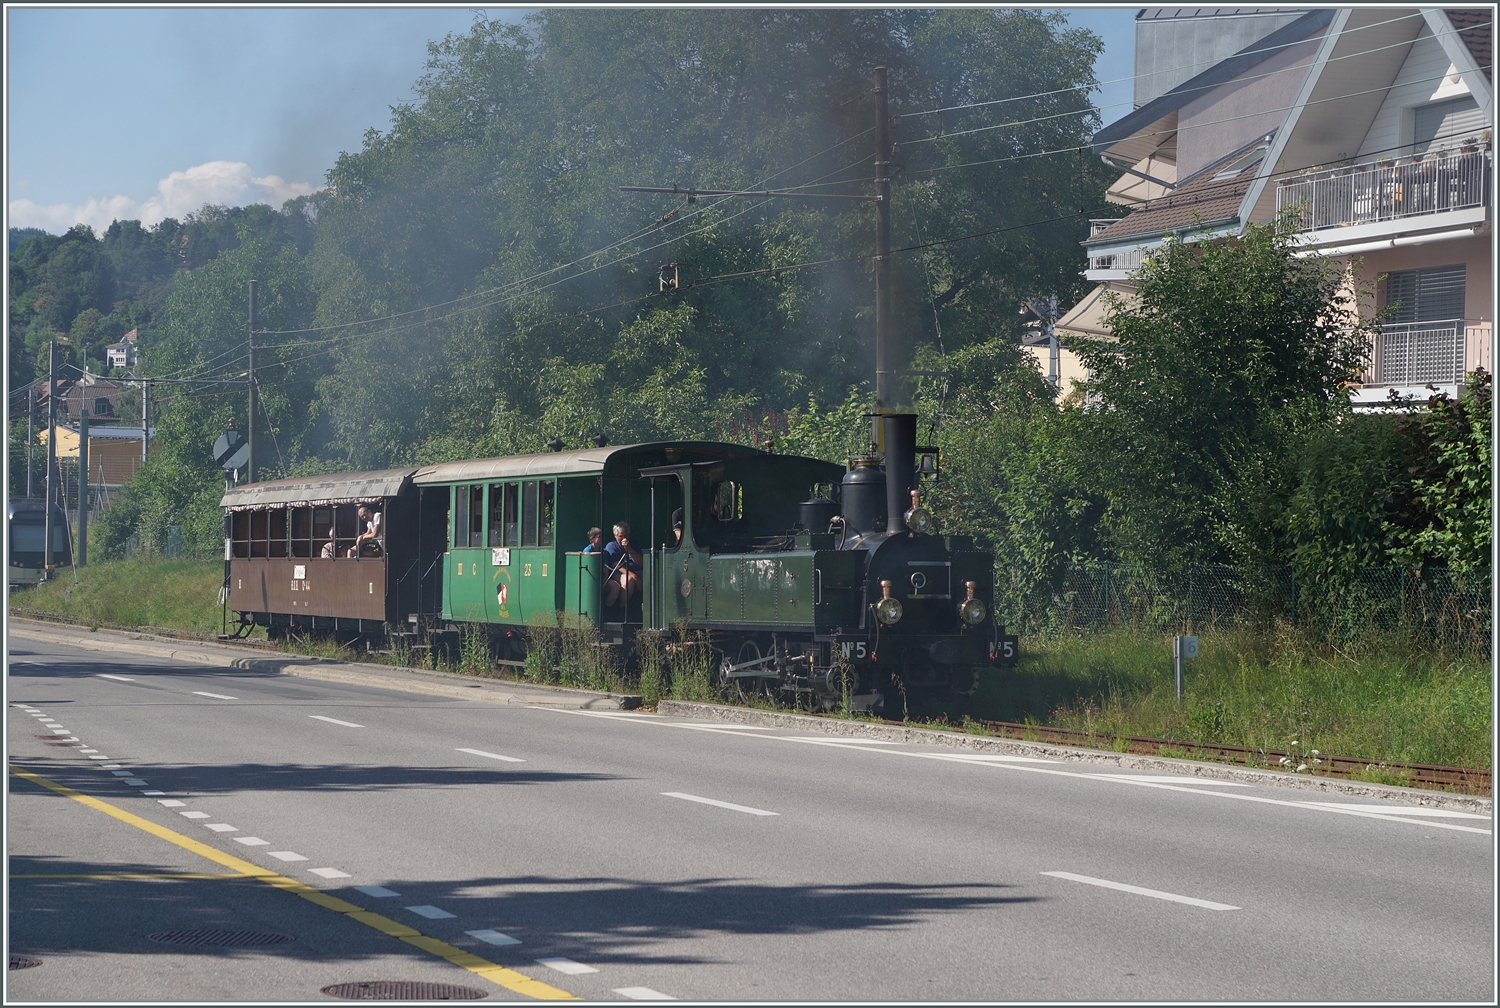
<point>1412,355</point>
<point>1388,190</point>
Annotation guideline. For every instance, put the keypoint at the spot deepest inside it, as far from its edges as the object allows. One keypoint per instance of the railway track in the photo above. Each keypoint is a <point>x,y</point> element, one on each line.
<point>1464,780</point>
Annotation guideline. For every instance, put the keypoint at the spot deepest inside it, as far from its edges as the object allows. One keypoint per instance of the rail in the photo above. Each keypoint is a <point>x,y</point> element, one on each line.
<point>1388,189</point>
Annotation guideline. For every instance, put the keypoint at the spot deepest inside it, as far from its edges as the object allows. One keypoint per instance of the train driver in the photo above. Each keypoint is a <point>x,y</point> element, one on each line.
<point>372,539</point>
<point>622,567</point>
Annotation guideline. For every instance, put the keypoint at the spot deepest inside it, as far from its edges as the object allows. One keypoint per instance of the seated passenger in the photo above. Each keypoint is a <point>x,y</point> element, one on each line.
<point>596,541</point>
<point>330,548</point>
<point>370,542</point>
<point>622,567</point>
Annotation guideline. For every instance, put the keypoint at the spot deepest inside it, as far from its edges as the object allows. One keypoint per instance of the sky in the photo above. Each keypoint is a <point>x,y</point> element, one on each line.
<point>119,113</point>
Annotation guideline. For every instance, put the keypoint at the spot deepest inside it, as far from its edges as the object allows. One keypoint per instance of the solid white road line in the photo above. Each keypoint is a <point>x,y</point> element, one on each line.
<point>117,678</point>
<point>216,696</point>
<point>1399,810</point>
<point>190,815</point>
<point>378,891</point>
<point>490,755</point>
<point>643,994</point>
<point>431,912</point>
<point>717,804</point>
<point>1153,893</point>
<point>252,841</point>
<point>334,720</point>
<point>493,937</point>
<point>329,873</point>
<point>219,827</point>
<point>567,966</point>
<point>1169,780</point>
<point>286,855</point>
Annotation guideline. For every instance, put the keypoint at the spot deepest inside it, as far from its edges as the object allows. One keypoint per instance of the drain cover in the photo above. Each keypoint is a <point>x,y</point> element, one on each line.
<point>402,990</point>
<point>23,962</point>
<point>219,937</point>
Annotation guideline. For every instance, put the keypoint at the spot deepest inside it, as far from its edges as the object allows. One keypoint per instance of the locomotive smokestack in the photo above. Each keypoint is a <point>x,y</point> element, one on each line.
<point>900,435</point>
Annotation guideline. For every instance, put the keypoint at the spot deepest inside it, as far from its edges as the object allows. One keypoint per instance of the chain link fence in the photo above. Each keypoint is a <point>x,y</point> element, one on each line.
<point>1450,608</point>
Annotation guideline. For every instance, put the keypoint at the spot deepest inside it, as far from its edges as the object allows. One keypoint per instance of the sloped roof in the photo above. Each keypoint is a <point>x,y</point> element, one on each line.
<point>1149,126</point>
<point>1203,201</point>
<point>1476,28</point>
<point>618,459</point>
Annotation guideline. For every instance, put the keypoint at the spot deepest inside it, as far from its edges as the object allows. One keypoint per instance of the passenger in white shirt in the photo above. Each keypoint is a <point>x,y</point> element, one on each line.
<point>373,535</point>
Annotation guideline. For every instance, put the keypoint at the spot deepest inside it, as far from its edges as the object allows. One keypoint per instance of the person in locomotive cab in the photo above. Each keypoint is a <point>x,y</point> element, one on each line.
<point>677,526</point>
<point>596,541</point>
<point>623,576</point>
<point>372,539</point>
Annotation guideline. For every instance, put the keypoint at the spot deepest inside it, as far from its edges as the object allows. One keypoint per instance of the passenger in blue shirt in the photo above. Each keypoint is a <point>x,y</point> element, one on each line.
<point>622,567</point>
<point>596,541</point>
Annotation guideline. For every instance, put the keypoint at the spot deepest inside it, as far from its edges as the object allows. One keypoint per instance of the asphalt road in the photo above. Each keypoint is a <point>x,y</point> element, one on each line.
<point>625,855</point>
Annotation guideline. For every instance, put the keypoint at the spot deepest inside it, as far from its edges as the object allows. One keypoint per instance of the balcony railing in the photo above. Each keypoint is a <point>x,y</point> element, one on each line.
<point>1439,353</point>
<point>1389,189</point>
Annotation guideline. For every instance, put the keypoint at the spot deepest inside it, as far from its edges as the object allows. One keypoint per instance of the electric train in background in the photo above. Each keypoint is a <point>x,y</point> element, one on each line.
<point>27,523</point>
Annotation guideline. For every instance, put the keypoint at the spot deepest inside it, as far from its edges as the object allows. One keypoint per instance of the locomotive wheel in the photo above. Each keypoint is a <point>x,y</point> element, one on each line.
<point>743,687</point>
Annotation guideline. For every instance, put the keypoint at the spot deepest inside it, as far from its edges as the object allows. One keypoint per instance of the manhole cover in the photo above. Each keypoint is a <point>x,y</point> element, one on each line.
<point>23,962</point>
<point>402,990</point>
<point>219,937</point>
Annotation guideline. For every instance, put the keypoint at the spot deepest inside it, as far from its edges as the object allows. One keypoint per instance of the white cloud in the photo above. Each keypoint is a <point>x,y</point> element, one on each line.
<point>228,183</point>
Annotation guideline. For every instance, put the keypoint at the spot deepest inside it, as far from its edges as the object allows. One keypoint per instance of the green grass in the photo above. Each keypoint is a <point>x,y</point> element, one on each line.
<point>1388,699</point>
<point>178,594</point>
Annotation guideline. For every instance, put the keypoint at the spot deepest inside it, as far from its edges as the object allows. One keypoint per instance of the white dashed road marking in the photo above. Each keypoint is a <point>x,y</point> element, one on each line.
<point>329,873</point>
<point>717,804</point>
<point>190,815</point>
<point>567,966</point>
<point>252,841</point>
<point>216,696</point>
<point>431,912</point>
<point>490,755</point>
<point>1153,893</point>
<point>378,891</point>
<point>493,937</point>
<point>117,678</point>
<point>172,803</point>
<point>334,720</point>
<point>286,855</point>
<point>643,994</point>
<point>219,827</point>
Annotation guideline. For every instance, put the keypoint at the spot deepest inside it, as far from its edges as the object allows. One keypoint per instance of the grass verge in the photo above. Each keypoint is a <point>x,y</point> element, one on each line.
<point>175,594</point>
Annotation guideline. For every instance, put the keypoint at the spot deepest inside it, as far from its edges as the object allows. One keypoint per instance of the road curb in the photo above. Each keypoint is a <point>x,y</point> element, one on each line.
<point>1017,747</point>
<point>354,673</point>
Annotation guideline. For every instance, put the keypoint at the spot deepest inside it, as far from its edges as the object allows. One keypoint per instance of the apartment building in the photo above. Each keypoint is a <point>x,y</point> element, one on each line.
<point>1371,126</point>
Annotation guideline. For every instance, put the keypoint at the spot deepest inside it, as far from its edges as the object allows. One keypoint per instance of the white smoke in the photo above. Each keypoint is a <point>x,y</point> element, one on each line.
<point>226,183</point>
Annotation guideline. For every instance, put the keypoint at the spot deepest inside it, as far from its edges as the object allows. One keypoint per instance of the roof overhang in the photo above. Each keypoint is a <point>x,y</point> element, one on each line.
<point>318,491</point>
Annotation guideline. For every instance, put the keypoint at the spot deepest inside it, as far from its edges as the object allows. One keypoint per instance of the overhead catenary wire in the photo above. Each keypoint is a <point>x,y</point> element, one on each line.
<point>1154,73</point>
<point>1094,108</point>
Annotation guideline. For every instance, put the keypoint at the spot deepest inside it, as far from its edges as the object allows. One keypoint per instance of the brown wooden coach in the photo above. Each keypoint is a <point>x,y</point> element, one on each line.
<point>279,579</point>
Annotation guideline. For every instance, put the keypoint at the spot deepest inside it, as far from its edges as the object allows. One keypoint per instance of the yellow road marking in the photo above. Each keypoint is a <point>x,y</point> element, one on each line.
<point>495,973</point>
<point>138,875</point>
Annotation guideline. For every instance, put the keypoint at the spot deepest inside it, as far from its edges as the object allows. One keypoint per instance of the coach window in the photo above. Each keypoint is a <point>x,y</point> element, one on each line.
<point>497,515</point>
<point>278,532</point>
<point>302,532</point>
<point>239,533</point>
<point>546,506</point>
<point>460,512</point>
<point>512,515</point>
<point>476,515</point>
<point>346,524</point>
<point>528,513</point>
<point>259,523</point>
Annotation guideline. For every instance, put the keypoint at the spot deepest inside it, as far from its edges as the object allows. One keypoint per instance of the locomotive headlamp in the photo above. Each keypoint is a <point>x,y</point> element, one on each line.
<point>888,610</point>
<point>919,519</point>
<point>972,610</point>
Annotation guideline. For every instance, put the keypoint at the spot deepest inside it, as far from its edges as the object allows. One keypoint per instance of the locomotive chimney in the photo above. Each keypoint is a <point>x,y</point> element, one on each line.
<point>900,430</point>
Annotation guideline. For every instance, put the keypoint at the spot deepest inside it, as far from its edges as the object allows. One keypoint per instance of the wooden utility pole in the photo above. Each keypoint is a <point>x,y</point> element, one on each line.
<point>47,556</point>
<point>30,439</point>
<point>145,419</point>
<point>83,489</point>
<point>250,420</point>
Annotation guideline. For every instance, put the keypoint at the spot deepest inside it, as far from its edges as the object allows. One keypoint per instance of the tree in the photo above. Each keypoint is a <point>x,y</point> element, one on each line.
<point>1231,354</point>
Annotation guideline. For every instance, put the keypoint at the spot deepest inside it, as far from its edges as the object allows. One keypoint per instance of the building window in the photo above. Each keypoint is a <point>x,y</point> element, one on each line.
<point>1446,124</point>
<point>1426,295</point>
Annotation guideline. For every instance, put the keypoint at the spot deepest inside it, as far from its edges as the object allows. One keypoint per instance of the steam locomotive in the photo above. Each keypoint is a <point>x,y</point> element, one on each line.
<point>833,582</point>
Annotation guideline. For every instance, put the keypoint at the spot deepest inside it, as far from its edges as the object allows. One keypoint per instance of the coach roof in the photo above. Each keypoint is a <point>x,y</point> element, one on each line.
<point>611,460</point>
<point>312,491</point>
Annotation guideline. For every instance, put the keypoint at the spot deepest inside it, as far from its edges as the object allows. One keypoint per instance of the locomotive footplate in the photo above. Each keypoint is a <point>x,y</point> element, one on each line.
<point>1001,650</point>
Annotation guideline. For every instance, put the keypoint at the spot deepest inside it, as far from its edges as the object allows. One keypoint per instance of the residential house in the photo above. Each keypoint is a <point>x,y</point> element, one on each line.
<point>1372,126</point>
<point>122,354</point>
